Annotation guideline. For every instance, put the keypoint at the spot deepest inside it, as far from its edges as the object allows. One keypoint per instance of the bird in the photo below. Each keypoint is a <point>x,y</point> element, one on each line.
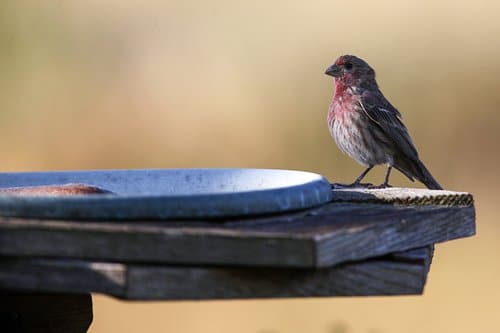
<point>368,128</point>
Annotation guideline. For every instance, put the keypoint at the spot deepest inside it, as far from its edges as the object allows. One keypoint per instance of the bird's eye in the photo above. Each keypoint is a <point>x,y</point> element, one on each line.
<point>348,66</point>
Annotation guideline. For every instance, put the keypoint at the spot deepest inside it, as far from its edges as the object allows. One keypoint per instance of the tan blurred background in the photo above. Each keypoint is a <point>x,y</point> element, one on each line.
<point>159,84</point>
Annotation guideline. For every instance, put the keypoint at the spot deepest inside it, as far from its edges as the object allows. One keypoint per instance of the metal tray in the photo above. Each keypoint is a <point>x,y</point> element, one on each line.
<point>166,193</point>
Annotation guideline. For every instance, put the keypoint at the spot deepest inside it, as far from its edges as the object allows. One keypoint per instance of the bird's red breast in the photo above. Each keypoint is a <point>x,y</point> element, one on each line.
<point>343,106</point>
<point>340,87</point>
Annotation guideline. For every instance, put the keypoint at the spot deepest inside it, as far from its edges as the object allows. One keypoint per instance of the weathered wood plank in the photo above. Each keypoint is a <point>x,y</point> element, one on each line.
<point>319,237</point>
<point>404,196</point>
<point>401,273</point>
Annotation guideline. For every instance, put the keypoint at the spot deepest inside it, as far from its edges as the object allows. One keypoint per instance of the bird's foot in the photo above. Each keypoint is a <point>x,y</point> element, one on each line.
<point>381,186</point>
<point>338,186</point>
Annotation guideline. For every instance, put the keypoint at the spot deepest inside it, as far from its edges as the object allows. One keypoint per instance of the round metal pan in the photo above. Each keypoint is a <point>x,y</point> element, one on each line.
<point>165,194</point>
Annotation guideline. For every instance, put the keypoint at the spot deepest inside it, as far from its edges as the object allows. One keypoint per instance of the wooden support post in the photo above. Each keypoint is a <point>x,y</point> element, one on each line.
<point>22,312</point>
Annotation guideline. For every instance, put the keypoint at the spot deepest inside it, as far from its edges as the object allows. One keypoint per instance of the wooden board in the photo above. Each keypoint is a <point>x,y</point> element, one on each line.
<point>404,196</point>
<point>319,237</point>
<point>397,274</point>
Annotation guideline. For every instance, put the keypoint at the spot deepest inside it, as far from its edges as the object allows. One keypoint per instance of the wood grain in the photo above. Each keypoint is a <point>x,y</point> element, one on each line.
<point>404,196</point>
<point>352,246</point>
<point>319,237</point>
<point>401,273</point>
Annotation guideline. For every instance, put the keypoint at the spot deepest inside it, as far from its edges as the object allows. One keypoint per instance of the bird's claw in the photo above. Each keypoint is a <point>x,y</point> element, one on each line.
<point>381,186</point>
<point>338,186</point>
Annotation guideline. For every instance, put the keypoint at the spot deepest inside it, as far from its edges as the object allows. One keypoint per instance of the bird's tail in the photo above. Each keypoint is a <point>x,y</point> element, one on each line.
<point>416,169</point>
<point>425,177</point>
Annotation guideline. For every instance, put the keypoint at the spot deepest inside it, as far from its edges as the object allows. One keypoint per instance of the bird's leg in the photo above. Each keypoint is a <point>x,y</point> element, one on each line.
<point>362,175</point>
<point>387,175</point>
<point>385,184</point>
<point>357,182</point>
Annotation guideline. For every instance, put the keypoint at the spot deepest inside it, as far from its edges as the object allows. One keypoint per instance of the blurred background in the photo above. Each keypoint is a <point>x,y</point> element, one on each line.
<point>171,84</point>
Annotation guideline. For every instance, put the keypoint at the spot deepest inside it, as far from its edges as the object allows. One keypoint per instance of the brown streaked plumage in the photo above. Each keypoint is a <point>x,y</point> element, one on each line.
<point>367,127</point>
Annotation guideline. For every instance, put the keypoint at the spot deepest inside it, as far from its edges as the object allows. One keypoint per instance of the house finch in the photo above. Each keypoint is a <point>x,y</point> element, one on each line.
<point>367,127</point>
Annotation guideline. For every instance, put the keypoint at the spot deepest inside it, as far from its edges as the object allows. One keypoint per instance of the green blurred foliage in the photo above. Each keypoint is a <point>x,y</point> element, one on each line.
<point>128,84</point>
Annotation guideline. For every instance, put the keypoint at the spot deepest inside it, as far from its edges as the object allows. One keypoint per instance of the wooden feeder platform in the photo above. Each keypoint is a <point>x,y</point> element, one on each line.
<point>363,243</point>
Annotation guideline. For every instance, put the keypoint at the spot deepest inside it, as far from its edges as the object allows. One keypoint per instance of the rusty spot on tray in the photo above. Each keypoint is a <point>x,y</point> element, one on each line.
<point>55,190</point>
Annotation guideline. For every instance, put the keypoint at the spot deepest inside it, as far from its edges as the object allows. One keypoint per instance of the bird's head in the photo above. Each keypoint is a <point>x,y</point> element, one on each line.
<point>351,71</point>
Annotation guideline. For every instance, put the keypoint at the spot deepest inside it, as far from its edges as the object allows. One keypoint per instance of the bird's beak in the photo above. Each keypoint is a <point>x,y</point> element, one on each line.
<point>333,70</point>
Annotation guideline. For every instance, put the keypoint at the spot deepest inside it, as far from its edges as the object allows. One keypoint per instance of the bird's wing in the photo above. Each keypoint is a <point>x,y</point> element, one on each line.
<point>388,118</point>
